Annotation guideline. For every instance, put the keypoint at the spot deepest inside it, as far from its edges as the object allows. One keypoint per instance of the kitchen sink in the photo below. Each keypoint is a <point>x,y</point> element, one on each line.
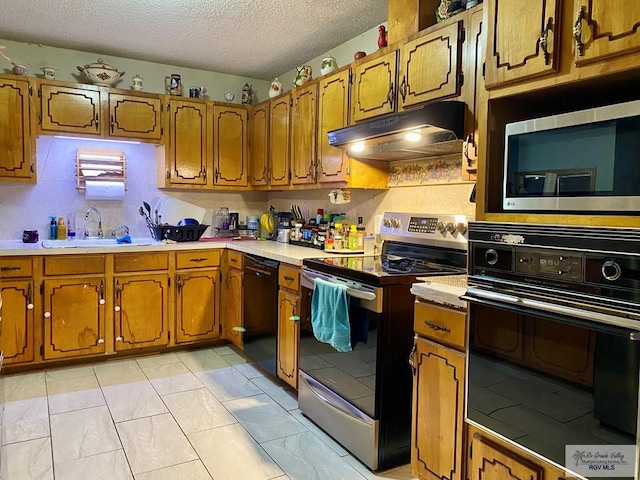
<point>97,242</point>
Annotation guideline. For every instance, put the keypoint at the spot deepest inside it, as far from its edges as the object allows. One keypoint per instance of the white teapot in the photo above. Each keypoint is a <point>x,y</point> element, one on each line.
<point>275,89</point>
<point>328,65</point>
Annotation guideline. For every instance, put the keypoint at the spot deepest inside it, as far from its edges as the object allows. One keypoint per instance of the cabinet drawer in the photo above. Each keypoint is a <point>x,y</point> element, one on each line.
<point>289,277</point>
<point>72,265</point>
<point>440,324</point>
<point>236,259</point>
<point>13,267</point>
<point>136,262</point>
<point>198,259</point>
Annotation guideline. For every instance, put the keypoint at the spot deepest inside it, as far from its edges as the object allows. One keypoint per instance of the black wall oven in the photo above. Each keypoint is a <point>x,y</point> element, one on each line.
<point>554,348</point>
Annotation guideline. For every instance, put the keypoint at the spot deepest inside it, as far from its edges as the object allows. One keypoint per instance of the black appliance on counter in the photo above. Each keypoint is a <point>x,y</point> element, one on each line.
<point>260,311</point>
<point>362,398</point>
<point>554,356</point>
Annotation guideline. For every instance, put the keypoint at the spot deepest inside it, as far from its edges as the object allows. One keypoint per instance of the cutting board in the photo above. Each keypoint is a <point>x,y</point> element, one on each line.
<point>174,210</point>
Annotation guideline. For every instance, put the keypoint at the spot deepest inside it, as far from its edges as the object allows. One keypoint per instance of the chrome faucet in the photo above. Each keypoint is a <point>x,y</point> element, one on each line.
<point>98,216</point>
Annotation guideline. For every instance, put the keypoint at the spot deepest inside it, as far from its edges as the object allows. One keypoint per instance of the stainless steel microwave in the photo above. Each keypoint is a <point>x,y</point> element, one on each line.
<point>582,161</point>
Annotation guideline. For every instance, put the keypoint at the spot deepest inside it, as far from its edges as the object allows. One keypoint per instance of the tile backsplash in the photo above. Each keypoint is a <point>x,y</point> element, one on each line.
<point>28,206</point>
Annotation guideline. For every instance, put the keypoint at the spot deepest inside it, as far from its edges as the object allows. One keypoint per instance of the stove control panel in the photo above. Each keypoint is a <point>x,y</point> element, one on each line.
<point>428,229</point>
<point>423,225</point>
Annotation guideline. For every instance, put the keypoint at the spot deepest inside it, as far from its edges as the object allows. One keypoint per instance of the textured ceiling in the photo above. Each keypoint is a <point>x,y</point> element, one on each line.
<point>254,38</point>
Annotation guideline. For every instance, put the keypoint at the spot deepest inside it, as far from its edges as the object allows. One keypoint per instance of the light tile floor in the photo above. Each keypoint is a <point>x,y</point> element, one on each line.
<point>198,415</point>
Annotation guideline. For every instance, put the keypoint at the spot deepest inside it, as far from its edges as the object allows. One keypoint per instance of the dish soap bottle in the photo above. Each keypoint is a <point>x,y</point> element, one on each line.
<point>62,229</point>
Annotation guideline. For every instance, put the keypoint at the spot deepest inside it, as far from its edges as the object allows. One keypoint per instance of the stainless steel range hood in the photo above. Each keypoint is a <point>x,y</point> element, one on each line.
<point>430,130</point>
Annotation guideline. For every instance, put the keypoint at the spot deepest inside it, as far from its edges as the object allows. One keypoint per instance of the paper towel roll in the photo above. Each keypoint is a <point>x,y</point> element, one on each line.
<point>99,190</point>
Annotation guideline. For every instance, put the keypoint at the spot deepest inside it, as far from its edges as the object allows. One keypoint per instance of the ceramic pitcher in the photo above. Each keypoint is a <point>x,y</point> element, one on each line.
<point>173,84</point>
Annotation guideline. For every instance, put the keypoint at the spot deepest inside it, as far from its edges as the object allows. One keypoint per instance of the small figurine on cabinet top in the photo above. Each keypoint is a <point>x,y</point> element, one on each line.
<point>136,83</point>
<point>247,94</point>
<point>303,75</point>
<point>382,36</point>
<point>276,88</point>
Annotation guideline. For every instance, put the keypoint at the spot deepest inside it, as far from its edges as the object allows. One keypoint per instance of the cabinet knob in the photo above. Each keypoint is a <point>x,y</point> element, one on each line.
<point>47,314</point>
<point>119,339</point>
<point>29,306</point>
<point>101,302</point>
<point>101,340</point>
<point>117,308</point>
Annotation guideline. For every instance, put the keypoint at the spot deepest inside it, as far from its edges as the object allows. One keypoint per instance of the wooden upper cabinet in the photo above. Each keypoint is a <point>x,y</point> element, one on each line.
<point>606,29</point>
<point>187,153</point>
<point>230,146</point>
<point>430,67</point>
<point>71,109</point>
<point>279,148</point>
<point>133,116</point>
<point>333,113</point>
<point>304,111</point>
<point>374,87</point>
<point>522,40</point>
<point>258,139</point>
<point>17,160</point>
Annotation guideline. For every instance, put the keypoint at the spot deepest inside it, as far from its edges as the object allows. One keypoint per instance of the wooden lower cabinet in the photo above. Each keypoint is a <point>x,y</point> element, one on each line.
<point>234,310</point>
<point>438,412</point>
<point>16,333</point>
<point>74,316</point>
<point>288,336</point>
<point>141,311</point>
<point>197,305</point>
<point>488,460</point>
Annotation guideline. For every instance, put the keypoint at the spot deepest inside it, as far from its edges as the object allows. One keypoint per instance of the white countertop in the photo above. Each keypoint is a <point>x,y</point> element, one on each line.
<point>445,290</point>
<point>282,252</point>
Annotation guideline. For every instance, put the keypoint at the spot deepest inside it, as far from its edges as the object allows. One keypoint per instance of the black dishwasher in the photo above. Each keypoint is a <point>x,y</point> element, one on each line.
<point>260,305</point>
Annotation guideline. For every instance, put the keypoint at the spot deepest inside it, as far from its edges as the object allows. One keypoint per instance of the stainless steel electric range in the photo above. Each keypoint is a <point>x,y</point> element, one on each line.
<point>362,398</point>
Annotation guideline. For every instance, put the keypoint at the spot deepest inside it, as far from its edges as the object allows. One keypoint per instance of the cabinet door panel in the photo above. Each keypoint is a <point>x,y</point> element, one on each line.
<point>188,143</point>
<point>234,311</point>
<point>513,47</point>
<point>16,334</point>
<point>279,153</point>
<point>438,399</point>
<point>374,87</point>
<point>134,117</point>
<point>197,306</point>
<point>141,311</point>
<point>288,336</point>
<point>430,66</point>
<point>608,29</point>
<point>333,113</point>
<point>70,110</point>
<point>230,152</point>
<point>259,144</point>
<point>15,131</point>
<point>303,135</point>
<point>491,462</point>
<point>76,322</point>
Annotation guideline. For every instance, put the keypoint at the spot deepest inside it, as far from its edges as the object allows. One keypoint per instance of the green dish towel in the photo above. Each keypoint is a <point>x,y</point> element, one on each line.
<point>330,315</point>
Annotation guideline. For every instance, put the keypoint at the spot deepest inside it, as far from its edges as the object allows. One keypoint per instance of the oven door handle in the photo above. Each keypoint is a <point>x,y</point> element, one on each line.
<point>601,321</point>
<point>352,292</point>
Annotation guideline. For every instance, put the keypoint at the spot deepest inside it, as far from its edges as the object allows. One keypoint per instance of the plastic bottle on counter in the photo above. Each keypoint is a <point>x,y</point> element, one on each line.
<point>53,227</point>
<point>353,238</point>
<point>62,229</point>
<point>319,216</point>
